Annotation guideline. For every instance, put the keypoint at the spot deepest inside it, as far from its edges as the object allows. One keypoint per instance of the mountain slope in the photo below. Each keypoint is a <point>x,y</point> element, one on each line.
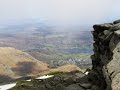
<point>15,64</point>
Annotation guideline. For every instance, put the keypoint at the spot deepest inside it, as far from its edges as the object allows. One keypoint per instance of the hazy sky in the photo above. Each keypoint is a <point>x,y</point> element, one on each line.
<point>64,12</point>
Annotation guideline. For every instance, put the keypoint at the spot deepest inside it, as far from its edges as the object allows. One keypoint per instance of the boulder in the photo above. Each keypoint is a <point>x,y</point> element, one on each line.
<point>117,21</point>
<point>115,27</point>
<point>102,27</point>
<point>74,87</point>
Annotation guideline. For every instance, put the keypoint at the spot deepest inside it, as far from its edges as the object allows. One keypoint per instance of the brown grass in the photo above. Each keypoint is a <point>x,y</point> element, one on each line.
<point>15,63</point>
<point>62,69</point>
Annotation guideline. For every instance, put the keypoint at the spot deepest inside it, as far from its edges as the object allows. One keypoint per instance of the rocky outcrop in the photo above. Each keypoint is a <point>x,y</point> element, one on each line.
<point>61,81</point>
<point>106,58</point>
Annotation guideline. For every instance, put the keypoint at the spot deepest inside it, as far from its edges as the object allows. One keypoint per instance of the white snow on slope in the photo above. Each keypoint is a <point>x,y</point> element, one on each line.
<point>45,77</point>
<point>8,86</point>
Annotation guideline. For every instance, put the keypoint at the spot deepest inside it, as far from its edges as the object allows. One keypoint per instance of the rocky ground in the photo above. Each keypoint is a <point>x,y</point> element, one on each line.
<point>61,81</point>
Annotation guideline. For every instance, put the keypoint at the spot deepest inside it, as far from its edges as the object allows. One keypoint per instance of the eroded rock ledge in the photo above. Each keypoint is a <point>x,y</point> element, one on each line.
<point>106,58</point>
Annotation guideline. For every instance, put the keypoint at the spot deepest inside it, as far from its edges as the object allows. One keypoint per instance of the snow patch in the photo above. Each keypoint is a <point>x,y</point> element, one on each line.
<point>86,73</point>
<point>45,77</point>
<point>8,86</point>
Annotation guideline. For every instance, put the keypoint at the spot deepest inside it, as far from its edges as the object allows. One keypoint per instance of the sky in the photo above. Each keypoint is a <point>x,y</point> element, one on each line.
<point>61,12</point>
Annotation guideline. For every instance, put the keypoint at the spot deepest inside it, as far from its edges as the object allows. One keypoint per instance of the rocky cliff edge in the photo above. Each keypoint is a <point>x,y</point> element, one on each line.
<point>106,58</point>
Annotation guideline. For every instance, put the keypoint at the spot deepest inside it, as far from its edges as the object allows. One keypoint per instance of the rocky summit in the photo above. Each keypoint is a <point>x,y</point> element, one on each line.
<point>105,73</point>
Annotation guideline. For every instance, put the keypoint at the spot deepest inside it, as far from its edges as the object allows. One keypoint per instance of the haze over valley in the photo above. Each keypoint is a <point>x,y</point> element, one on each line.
<point>48,43</point>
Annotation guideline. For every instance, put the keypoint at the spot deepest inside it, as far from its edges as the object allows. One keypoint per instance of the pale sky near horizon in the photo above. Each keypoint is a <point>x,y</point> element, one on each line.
<point>65,12</point>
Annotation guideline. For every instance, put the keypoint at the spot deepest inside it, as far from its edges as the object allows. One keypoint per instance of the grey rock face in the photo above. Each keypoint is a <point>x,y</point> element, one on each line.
<point>74,87</point>
<point>115,27</point>
<point>95,88</point>
<point>86,85</point>
<point>102,27</point>
<point>106,58</point>
<point>117,21</point>
<point>61,81</point>
<point>116,82</point>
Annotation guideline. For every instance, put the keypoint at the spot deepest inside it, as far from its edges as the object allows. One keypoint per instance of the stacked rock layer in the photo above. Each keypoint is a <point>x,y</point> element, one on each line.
<point>106,58</point>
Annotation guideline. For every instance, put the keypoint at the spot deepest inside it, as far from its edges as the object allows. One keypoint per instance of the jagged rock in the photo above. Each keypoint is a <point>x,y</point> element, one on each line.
<point>113,65</point>
<point>116,82</point>
<point>60,87</point>
<point>74,87</point>
<point>106,32</point>
<point>86,85</point>
<point>108,37</point>
<point>117,32</point>
<point>115,27</point>
<point>117,21</point>
<point>106,58</point>
<point>102,27</point>
<point>95,88</point>
<point>61,81</point>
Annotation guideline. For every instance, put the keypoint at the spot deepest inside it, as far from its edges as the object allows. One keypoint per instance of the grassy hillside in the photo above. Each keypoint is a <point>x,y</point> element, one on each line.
<point>15,64</point>
<point>59,59</point>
